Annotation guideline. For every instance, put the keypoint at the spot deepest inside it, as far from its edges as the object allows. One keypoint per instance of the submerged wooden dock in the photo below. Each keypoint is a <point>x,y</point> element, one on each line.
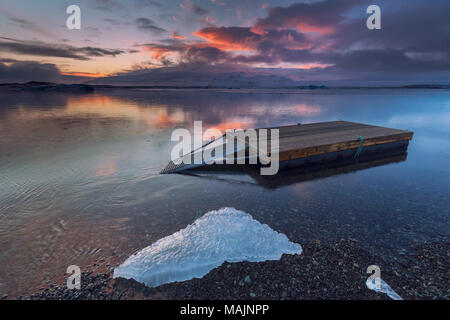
<point>318,143</point>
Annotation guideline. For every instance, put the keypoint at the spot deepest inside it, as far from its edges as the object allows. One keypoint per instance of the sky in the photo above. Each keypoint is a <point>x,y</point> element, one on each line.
<point>302,40</point>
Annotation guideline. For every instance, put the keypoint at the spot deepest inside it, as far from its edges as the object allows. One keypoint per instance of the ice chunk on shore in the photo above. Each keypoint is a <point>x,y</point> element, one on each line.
<point>383,288</point>
<point>223,235</point>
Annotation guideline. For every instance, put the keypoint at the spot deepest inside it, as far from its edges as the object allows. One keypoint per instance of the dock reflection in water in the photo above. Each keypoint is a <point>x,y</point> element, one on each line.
<point>289,176</point>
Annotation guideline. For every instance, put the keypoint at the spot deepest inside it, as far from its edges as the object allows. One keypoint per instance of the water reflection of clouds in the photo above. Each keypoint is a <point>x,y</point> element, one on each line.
<point>431,130</point>
<point>107,168</point>
<point>166,119</point>
<point>231,124</point>
<point>162,110</point>
<point>304,109</point>
<point>441,120</point>
<point>135,112</point>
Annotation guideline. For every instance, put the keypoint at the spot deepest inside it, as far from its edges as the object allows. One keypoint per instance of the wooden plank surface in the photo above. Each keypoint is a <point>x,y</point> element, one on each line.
<point>318,138</point>
<point>300,141</point>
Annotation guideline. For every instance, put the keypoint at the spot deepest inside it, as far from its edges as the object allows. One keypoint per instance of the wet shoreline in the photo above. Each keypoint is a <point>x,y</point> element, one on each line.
<point>336,271</point>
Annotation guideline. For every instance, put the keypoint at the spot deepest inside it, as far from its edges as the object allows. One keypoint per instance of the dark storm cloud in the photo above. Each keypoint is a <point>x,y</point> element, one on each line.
<point>207,55</point>
<point>329,37</point>
<point>413,38</point>
<point>24,23</point>
<point>386,62</point>
<point>21,71</point>
<point>172,45</point>
<point>38,48</point>
<point>27,24</point>
<point>108,5</point>
<point>146,24</point>
<point>418,27</point>
<point>197,10</point>
<point>322,17</point>
<point>274,46</point>
<point>239,37</point>
<point>7,60</point>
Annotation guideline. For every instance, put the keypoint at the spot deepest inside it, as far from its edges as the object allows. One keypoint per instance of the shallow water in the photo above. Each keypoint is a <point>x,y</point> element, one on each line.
<point>79,180</point>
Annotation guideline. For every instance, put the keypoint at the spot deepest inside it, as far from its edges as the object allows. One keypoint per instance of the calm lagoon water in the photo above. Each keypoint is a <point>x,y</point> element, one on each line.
<point>80,183</point>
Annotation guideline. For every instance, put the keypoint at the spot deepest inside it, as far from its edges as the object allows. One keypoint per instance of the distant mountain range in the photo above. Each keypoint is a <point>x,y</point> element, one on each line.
<point>168,77</point>
<point>180,78</point>
<point>229,82</point>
